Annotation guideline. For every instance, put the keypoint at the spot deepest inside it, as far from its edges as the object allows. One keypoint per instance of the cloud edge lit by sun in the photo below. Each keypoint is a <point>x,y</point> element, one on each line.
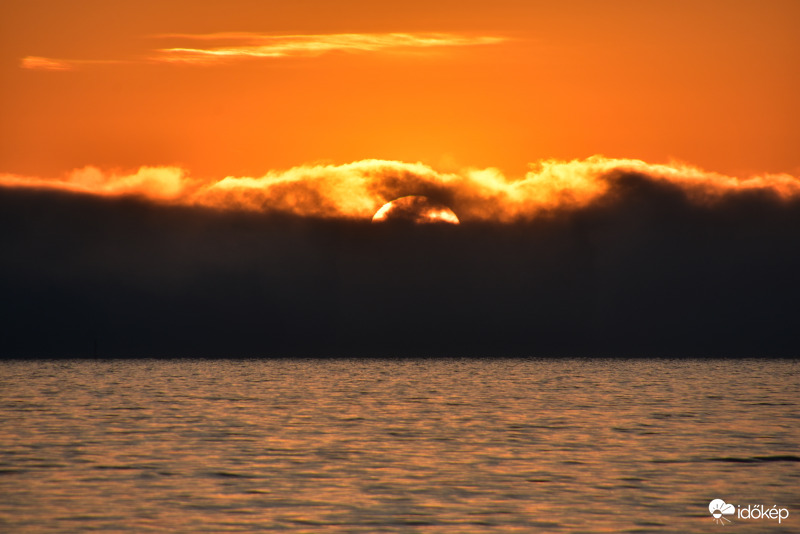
<point>357,190</point>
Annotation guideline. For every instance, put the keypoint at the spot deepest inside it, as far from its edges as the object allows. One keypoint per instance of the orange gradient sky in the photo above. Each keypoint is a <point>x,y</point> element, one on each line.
<point>245,87</point>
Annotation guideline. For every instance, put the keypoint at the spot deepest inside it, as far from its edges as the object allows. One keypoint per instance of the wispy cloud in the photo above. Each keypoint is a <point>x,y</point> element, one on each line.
<point>46,63</point>
<point>53,64</point>
<point>250,45</point>
<point>221,47</point>
<point>155,183</point>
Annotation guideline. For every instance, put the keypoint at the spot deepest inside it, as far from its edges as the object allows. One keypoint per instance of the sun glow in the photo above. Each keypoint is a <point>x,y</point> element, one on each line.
<point>417,209</point>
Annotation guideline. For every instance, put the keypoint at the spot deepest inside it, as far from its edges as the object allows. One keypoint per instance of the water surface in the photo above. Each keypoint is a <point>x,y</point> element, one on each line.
<point>512,445</point>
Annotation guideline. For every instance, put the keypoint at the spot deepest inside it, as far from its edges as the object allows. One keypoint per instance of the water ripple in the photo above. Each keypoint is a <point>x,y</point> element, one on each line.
<point>429,446</point>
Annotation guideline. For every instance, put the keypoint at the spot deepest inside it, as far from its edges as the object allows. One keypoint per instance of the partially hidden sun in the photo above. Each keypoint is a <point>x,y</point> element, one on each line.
<point>415,209</point>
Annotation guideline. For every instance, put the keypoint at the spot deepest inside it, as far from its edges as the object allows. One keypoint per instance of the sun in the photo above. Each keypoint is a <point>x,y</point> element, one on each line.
<point>415,209</point>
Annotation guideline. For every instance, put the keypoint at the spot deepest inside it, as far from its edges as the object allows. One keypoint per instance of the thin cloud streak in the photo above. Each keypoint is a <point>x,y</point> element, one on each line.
<point>241,45</point>
<point>278,46</point>
<point>45,63</point>
<point>357,190</point>
<point>53,64</point>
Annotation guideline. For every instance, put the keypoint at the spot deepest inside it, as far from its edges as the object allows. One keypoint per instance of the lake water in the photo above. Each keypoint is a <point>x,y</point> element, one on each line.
<point>511,445</point>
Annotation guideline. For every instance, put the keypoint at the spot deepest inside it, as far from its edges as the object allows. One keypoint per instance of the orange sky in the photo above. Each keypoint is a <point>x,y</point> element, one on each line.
<point>240,88</point>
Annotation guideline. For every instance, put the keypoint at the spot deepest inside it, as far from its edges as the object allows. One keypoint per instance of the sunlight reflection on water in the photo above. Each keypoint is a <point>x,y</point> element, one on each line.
<point>395,445</point>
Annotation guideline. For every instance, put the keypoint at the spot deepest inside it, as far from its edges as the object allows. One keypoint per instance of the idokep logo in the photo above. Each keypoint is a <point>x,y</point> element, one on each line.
<point>719,509</point>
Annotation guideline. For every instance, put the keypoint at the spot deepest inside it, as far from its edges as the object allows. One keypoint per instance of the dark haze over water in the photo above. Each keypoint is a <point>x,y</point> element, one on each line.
<point>642,272</point>
<point>355,445</point>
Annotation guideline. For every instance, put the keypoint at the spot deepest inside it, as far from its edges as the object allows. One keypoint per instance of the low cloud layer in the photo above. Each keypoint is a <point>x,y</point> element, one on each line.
<point>357,190</point>
<point>587,258</point>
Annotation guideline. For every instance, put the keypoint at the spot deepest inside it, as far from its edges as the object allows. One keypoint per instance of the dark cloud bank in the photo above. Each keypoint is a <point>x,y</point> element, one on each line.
<point>642,272</point>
